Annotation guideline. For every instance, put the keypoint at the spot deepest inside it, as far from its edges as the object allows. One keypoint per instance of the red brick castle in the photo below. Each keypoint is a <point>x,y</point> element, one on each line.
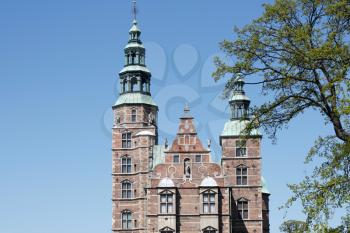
<point>177,188</point>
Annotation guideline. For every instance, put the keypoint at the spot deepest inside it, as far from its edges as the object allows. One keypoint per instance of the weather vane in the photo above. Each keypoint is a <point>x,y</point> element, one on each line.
<point>134,9</point>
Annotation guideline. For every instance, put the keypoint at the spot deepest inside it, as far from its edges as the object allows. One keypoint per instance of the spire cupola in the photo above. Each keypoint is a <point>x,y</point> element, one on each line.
<point>239,102</point>
<point>135,78</point>
<point>134,33</point>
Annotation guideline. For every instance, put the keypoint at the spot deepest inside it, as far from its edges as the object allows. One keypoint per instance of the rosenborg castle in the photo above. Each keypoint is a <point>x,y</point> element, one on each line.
<point>177,187</point>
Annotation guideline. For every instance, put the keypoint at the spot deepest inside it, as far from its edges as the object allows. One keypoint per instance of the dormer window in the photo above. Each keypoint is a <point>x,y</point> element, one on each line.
<point>166,202</point>
<point>209,202</point>
<point>167,230</point>
<point>209,230</point>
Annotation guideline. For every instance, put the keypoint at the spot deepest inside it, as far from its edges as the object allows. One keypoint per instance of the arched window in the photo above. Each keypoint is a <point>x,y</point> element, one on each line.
<point>126,140</point>
<point>241,175</point>
<point>166,202</point>
<point>133,84</point>
<point>126,189</point>
<point>133,55</point>
<point>126,164</point>
<point>242,207</point>
<point>126,219</point>
<point>241,148</point>
<point>209,230</point>
<point>209,202</point>
<point>167,230</point>
<point>133,115</point>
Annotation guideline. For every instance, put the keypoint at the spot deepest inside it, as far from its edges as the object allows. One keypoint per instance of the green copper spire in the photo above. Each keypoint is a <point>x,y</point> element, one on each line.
<point>239,102</point>
<point>240,117</point>
<point>135,78</point>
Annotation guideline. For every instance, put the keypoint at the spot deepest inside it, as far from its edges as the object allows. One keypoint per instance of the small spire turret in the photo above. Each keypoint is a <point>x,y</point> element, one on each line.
<point>239,102</point>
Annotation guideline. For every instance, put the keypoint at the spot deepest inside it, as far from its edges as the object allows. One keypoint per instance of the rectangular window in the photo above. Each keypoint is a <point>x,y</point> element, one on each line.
<point>242,175</point>
<point>126,165</point>
<point>242,207</point>
<point>198,158</point>
<point>133,115</point>
<point>126,220</point>
<point>126,190</point>
<point>208,202</point>
<point>176,159</point>
<point>126,140</point>
<point>166,203</point>
<point>241,148</point>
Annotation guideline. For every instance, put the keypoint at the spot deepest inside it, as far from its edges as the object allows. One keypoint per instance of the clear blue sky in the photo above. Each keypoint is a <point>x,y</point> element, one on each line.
<point>59,62</point>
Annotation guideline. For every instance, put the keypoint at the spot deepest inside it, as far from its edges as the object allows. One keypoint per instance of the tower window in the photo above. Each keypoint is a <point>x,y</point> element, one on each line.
<point>208,202</point>
<point>133,115</point>
<point>126,140</point>
<point>166,202</point>
<point>242,207</point>
<point>242,175</point>
<point>126,190</point>
<point>176,159</point>
<point>126,165</point>
<point>241,148</point>
<point>126,220</point>
<point>133,55</point>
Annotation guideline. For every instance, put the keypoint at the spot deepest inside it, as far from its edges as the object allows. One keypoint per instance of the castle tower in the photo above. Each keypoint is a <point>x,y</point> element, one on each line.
<point>134,138</point>
<point>241,164</point>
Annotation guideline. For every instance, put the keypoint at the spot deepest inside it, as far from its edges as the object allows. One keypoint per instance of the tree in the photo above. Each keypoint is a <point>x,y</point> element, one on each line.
<point>293,226</point>
<point>298,50</point>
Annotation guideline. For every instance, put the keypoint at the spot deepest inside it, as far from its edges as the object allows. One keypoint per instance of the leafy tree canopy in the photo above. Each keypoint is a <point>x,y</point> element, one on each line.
<point>299,51</point>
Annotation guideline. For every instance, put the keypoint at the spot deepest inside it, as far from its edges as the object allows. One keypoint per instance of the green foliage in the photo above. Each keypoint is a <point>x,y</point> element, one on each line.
<point>293,226</point>
<point>299,51</point>
<point>328,186</point>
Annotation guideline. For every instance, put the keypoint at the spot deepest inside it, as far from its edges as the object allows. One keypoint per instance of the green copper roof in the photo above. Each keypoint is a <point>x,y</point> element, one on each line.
<point>264,186</point>
<point>134,27</point>
<point>135,98</point>
<point>158,155</point>
<point>134,68</point>
<point>239,97</point>
<point>133,45</point>
<point>236,127</point>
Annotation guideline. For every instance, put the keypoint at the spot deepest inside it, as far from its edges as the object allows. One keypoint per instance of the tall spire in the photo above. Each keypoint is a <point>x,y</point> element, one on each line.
<point>134,10</point>
<point>135,78</point>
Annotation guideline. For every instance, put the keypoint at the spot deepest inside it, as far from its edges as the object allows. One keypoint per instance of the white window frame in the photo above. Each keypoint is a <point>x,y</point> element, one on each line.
<point>126,187</point>
<point>243,212</point>
<point>126,219</point>
<point>240,176</point>
<point>126,165</point>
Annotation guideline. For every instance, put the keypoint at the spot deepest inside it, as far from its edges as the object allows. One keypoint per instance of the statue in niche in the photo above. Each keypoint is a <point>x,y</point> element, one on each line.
<point>187,168</point>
